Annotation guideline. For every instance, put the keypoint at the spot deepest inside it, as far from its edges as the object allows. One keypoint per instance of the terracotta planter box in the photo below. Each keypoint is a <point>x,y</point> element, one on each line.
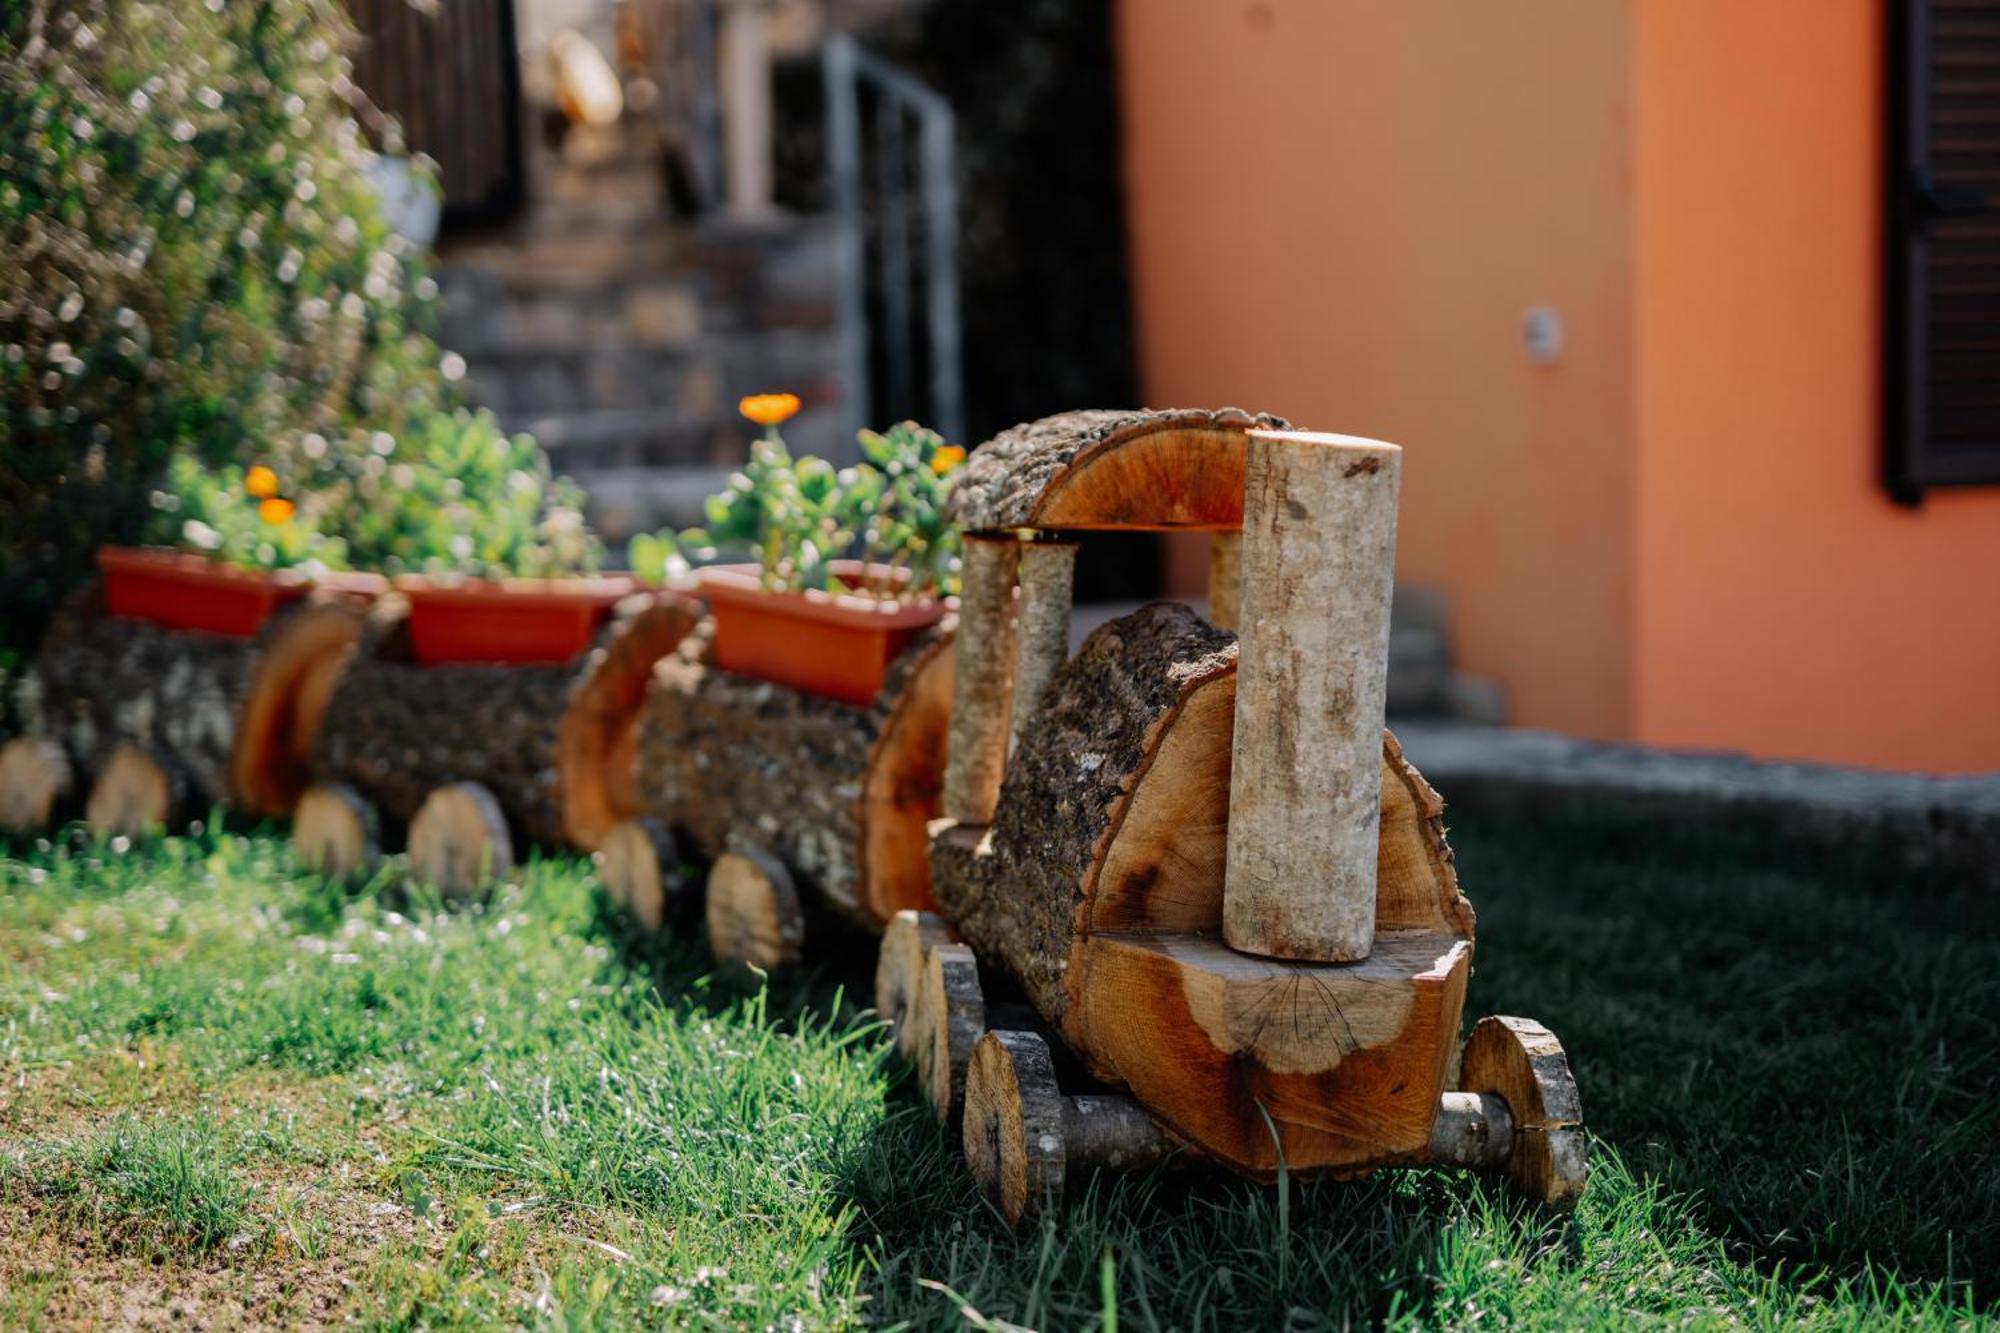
<point>837,646</point>
<point>183,591</point>
<point>509,620</point>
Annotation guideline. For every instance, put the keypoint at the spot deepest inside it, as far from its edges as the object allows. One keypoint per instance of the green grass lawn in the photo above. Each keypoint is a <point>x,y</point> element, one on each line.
<point>232,1093</point>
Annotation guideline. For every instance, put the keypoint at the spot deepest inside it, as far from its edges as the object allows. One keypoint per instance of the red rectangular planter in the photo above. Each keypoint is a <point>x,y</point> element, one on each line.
<point>509,620</point>
<point>183,591</point>
<point>837,646</point>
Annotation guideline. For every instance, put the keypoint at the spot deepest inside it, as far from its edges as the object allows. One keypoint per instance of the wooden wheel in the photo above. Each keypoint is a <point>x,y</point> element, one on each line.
<point>1013,1128</point>
<point>947,1019</point>
<point>335,831</point>
<point>906,944</point>
<point>641,869</point>
<point>459,840</point>
<point>35,779</point>
<point>135,793</point>
<point>753,911</point>
<point>1522,1062</point>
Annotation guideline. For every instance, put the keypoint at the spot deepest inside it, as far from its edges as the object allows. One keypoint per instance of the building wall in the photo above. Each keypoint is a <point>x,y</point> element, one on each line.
<point>1340,210</point>
<point>1785,605</point>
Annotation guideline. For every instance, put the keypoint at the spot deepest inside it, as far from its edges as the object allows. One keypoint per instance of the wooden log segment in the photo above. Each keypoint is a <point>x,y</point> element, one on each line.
<point>838,795</point>
<point>1521,1062</point>
<point>336,831</point>
<point>982,686</point>
<point>459,840</point>
<point>1319,553</point>
<point>641,869</point>
<point>1099,886</point>
<point>1023,1139</point>
<point>233,718</point>
<point>753,910</point>
<point>907,941</point>
<point>552,742</point>
<point>1041,640</point>
<point>947,1018</point>
<point>1098,470</point>
<point>138,791</point>
<point>36,782</point>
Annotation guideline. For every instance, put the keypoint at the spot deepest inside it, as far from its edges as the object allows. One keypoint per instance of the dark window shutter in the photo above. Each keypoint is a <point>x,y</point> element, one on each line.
<point>450,74</point>
<point>1942,386</point>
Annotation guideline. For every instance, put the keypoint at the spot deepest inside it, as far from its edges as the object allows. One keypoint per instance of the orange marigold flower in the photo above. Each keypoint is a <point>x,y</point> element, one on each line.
<point>769,409</point>
<point>946,458</point>
<point>275,510</point>
<point>261,482</point>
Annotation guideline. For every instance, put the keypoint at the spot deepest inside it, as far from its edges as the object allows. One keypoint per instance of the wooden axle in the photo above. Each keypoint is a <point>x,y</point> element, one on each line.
<point>1318,564</point>
<point>1225,579</point>
<point>1022,1137</point>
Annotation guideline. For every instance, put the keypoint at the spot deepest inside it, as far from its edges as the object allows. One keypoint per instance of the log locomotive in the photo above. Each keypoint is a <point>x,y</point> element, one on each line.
<point>1185,870</point>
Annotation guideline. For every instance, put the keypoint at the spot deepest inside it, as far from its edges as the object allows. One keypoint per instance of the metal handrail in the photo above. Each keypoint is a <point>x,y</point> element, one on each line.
<point>900,99</point>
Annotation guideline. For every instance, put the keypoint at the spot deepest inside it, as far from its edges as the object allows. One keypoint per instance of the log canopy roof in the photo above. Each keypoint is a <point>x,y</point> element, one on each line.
<point>1136,469</point>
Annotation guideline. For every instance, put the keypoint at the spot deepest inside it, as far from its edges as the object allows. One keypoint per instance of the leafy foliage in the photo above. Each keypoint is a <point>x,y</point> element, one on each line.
<point>797,516</point>
<point>195,262</point>
<point>214,511</point>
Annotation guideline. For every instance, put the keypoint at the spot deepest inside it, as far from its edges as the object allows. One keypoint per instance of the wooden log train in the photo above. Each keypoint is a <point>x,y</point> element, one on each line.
<point>1185,870</point>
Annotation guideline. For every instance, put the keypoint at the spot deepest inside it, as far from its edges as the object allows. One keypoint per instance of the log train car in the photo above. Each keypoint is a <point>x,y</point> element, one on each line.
<point>1187,866</point>
<point>136,725</point>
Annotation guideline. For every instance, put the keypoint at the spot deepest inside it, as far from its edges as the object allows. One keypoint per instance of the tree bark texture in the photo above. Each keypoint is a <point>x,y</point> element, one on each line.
<point>395,730</point>
<point>726,757</point>
<point>1099,886</point>
<point>1110,469</point>
<point>234,717</point>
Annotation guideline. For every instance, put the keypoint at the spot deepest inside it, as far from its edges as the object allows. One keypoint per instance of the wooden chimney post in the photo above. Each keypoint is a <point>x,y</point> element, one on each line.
<point>976,757</point>
<point>1318,565</point>
<point>1041,643</point>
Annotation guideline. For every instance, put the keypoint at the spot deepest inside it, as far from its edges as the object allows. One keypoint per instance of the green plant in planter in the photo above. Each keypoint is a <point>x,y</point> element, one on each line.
<point>795,517</point>
<point>237,515</point>
<point>457,495</point>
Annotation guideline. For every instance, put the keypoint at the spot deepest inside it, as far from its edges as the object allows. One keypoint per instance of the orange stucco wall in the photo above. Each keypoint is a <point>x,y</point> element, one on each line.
<point>1785,605</point>
<point>1340,210</point>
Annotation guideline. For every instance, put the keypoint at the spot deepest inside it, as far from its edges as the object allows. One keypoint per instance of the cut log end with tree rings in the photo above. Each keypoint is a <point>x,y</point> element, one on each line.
<point>136,792</point>
<point>753,910</point>
<point>899,969</point>
<point>947,1018</point>
<point>336,831</point>
<point>1013,1128</point>
<point>640,867</point>
<point>35,780</point>
<point>459,841</point>
<point>1521,1062</point>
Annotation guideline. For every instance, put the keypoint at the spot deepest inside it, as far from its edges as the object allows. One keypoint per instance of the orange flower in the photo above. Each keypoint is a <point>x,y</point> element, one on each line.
<point>768,409</point>
<point>261,482</point>
<point>946,458</point>
<point>274,510</point>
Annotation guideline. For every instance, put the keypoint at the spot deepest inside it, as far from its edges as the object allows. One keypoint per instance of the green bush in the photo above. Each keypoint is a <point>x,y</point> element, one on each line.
<point>192,261</point>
